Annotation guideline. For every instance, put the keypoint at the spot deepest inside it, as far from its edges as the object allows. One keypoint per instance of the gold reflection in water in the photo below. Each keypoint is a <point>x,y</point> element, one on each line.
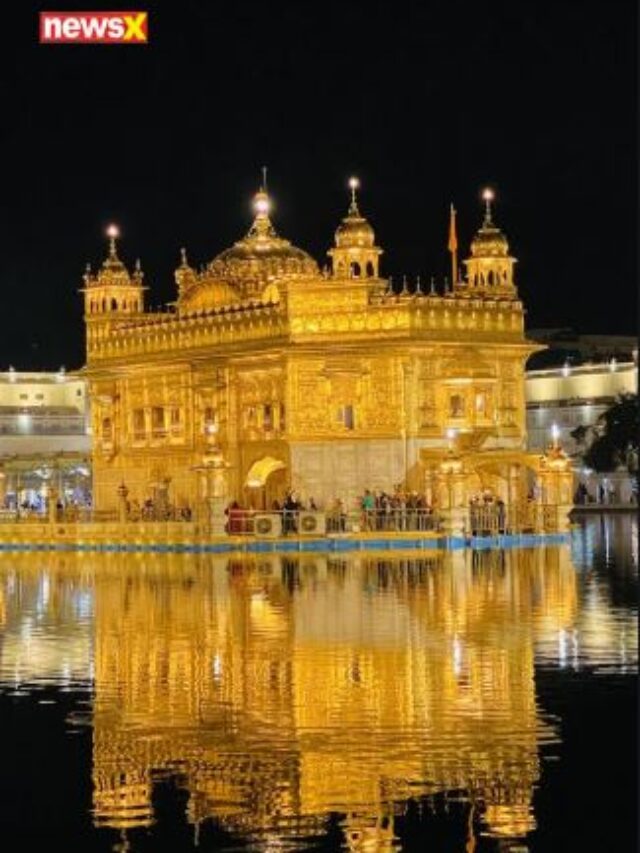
<point>282,689</point>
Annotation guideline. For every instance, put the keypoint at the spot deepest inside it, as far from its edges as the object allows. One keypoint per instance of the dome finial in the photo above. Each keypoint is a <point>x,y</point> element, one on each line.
<point>488,196</point>
<point>354,185</point>
<point>262,226</point>
<point>261,204</point>
<point>113,232</point>
<point>264,180</point>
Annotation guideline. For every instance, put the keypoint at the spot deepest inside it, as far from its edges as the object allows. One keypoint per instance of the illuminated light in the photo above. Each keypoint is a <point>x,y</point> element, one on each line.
<point>555,433</point>
<point>566,370</point>
<point>261,204</point>
<point>451,433</point>
<point>488,194</point>
<point>254,484</point>
<point>212,428</point>
<point>354,183</point>
<point>113,231</point>
<point>612,365</point>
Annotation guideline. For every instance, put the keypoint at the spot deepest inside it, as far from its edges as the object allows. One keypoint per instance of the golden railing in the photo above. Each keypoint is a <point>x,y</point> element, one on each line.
<point>493,520</point>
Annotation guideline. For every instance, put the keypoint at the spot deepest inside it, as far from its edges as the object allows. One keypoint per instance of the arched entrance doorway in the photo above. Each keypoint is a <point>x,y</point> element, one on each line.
<point>265,483</point>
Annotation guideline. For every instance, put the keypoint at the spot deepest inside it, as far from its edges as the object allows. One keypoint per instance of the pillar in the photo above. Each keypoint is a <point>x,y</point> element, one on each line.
<point>123,492</point>
<point>451,479</point>
<point>52,505</point>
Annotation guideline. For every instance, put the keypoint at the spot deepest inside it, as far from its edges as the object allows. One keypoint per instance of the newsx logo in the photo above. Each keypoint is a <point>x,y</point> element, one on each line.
<point>93,28</point>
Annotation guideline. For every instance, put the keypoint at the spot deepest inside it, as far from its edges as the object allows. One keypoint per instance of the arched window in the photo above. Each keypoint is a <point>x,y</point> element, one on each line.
<point>346,416</point>
<point>354,269</point>
<point>114,304</point>
<point>370,270</point>
<point>456,406</point>
<point>107,429</point>
<point>490,277</point>
<point>267,417</point>
<point>139,424</point>
<point>481,404</point>
<point>210,421</point>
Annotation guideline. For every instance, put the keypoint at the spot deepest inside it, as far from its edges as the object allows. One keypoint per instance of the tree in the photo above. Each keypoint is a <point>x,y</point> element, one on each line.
<point>616,437</point>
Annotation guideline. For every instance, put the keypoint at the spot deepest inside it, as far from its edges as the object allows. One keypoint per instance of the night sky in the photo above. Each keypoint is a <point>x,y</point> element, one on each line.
<point>426,101</point>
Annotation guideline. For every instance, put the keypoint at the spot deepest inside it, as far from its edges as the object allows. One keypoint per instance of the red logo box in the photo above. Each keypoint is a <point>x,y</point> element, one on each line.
<point>94,28</point>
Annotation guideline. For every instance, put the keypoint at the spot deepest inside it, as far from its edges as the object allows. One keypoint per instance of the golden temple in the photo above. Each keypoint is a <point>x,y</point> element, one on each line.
<point>269,373</point>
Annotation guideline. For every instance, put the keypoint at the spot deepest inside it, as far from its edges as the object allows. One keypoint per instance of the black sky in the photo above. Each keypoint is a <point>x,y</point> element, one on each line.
<point>426,101</point>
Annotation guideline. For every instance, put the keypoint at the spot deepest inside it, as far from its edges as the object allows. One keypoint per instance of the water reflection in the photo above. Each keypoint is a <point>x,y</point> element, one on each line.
<point>282,690</point>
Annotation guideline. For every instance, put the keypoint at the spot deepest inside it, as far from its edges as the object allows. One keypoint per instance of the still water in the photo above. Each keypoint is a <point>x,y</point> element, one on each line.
<point>467,701</point>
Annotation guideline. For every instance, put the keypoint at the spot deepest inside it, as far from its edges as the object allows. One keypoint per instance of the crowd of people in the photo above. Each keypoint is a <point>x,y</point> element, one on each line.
<point>373,511</point>
<point>150,510</point>
<point>487,514</point>
<point>399,511</point>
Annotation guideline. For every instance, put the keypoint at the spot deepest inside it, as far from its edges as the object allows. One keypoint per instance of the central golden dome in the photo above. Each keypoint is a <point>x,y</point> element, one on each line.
<point>262,257</point>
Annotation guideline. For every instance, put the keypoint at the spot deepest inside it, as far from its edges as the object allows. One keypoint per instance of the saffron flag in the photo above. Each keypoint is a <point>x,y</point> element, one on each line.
<point>453,237</point>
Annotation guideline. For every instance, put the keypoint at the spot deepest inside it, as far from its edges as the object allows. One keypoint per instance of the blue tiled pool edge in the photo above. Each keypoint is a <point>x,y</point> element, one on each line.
<point>283,546</point>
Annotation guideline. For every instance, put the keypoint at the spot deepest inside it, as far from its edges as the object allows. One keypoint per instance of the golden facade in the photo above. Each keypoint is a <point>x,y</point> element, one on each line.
<point>268,372</point>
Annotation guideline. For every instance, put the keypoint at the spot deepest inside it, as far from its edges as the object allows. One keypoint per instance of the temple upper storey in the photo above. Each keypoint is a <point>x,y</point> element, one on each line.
<point>264,288</point>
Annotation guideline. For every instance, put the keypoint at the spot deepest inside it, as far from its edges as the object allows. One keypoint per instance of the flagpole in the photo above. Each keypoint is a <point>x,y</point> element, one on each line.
<point>453,246</point>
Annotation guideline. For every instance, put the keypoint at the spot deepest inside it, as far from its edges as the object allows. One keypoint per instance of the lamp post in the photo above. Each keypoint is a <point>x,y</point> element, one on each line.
<point>452,472</point>
<point>214,478</point>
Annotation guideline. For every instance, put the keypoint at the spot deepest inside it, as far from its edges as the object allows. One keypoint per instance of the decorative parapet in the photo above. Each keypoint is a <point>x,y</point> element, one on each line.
<point>156,333</point>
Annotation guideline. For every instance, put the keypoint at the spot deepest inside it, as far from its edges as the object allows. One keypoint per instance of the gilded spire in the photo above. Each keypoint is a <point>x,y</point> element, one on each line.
<point>354,185</point>
<point>113,232</point>
<point>184,275</point>
<point>112,262</point>
<point>489,240</point>
<point>262,226</point>
<point>488,195</point>
<point>354,231</point>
